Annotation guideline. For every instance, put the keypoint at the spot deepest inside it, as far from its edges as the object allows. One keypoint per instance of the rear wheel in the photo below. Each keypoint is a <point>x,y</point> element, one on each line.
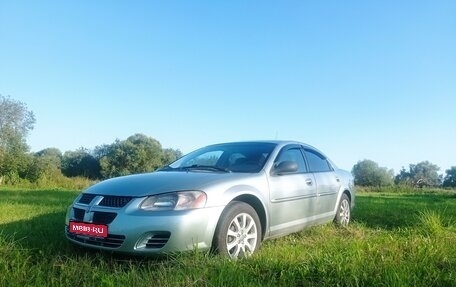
<point>238,233</point>
<point>343,214</point>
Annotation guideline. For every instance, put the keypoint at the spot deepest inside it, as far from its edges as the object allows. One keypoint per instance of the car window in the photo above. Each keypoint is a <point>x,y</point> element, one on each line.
<point>236,158</point>
<point>232,157</point>
<point>209,158</point>
<point>246,161</point>
<point>316,161</point>
<point>292,154</point>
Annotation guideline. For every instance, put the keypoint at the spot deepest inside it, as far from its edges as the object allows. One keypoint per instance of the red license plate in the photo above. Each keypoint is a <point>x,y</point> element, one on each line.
<point>96,230</point>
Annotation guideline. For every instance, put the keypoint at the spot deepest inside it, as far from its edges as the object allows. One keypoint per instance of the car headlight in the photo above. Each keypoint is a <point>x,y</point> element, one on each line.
<point>174,201</point>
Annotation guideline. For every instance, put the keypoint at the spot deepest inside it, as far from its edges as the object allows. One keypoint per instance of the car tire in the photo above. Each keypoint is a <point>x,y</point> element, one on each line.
<point>238,233</point>
<point>343,213</point>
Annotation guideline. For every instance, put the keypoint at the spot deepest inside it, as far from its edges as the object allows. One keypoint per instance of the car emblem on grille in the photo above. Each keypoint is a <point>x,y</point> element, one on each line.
<point>88,215</point>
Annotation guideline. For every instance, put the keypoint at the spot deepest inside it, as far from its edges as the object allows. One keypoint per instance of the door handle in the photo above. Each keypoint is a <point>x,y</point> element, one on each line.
<point>337,179</point>
<point>309,181</point>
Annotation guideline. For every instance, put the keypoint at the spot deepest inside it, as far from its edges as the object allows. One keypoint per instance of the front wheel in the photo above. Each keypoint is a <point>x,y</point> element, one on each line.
<point>343,214</point>
<point>238,233</point>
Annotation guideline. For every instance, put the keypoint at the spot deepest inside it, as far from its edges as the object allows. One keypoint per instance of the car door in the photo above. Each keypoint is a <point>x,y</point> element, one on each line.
<point>326,179</point>
<point>292,192</point>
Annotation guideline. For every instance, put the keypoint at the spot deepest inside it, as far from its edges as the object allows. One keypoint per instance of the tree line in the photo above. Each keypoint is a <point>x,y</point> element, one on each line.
<point>422,174</point>
<point>138,153</point>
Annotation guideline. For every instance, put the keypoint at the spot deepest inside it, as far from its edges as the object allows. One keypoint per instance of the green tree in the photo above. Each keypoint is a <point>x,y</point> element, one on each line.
<point>450,177</point>
<point>52,155</point>
<point>138,153</point>
<point>169,155</point>
<point>403,177</point>
<point>80,163</point>
<point>368,173</point>
<point>16,121</point>
<point>45,163</point>
<point>421,174</point>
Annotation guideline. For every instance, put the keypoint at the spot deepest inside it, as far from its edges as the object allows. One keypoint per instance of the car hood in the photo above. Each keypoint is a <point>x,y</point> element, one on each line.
<point>161,182</point>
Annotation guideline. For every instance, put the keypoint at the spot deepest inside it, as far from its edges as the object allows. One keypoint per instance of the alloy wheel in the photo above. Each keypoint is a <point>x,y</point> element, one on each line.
<point>242,236</point>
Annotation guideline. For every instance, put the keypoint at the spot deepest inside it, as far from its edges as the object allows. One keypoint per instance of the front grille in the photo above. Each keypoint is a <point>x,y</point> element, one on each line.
<point>158,240</point>
<point>115,201</point>
<point>112,241</point>
<point>99,217</point>
<point>78,214</point>
<point>86,198</point>
<point>103,217</point>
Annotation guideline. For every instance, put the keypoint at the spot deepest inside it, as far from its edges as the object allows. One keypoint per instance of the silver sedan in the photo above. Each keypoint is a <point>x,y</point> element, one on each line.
<point>225,197</point>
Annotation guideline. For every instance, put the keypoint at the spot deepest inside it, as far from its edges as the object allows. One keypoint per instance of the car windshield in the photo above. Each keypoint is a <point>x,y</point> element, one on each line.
<point>231,157</point>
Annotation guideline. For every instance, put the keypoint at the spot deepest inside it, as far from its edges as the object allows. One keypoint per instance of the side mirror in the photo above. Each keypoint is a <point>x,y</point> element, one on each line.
<point>285,167</point>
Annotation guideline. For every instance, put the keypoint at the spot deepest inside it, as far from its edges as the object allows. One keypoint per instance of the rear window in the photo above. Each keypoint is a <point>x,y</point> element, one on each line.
<point>316,161</point>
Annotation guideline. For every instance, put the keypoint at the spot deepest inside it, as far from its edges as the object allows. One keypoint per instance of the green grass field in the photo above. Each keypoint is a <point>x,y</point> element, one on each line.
<point>396,239</point>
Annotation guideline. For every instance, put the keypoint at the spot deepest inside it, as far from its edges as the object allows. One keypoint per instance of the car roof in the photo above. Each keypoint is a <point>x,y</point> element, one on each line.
<point>277,142</point>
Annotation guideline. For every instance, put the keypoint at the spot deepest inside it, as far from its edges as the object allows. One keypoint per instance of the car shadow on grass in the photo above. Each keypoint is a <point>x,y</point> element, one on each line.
<point>44,235</point>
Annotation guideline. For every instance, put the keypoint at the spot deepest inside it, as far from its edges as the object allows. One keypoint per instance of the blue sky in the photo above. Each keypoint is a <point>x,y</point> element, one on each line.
<point>357,79</point>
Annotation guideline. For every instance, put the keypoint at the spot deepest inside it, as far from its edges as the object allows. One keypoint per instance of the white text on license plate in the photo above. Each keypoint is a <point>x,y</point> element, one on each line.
<point>97,230</point>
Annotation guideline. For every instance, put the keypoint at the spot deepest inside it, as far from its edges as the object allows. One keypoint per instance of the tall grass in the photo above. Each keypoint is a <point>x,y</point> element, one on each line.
<point>402,188</point>
<point>53,182</point>
<point>395,240</point>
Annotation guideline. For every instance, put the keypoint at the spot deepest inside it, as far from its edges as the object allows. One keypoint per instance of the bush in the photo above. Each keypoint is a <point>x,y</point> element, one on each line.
<point>368,173</point>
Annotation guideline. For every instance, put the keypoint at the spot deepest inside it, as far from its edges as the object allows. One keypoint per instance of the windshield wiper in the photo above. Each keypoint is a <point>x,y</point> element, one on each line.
<point>204,167</point>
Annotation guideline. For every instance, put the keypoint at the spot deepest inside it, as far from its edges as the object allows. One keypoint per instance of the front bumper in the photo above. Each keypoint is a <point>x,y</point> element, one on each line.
<point>135,231</point>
